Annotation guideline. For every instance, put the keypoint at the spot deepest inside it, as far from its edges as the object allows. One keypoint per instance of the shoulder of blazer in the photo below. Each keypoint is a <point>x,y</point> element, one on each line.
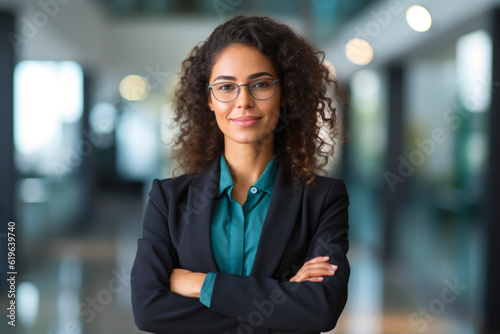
<point>324,183</point>
<point>326,189</point>
<point>174,190</point>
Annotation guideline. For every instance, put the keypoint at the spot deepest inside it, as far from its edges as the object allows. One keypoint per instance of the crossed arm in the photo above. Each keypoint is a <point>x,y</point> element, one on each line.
<point>188,284</point>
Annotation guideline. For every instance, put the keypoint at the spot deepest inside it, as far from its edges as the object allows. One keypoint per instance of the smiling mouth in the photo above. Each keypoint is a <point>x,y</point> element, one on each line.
<point>246,121</point>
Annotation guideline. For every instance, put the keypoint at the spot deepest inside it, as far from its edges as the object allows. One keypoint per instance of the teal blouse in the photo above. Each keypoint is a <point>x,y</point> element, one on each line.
<point>235,229</point>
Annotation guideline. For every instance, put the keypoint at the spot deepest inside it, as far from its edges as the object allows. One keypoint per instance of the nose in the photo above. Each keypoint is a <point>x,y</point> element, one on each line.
<point>244,98</point>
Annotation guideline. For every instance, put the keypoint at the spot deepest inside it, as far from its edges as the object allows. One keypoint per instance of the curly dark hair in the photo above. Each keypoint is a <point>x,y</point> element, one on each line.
<point>311,93</point>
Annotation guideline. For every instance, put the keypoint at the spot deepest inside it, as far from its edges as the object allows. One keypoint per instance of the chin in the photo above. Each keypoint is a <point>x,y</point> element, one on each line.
<point>252,139</point>
<point>245,140</point>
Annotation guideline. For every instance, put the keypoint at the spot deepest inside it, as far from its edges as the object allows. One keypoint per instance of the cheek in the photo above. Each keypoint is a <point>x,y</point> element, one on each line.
<point>220,117</point>
<point>274,113</point>
<point>220,109</point>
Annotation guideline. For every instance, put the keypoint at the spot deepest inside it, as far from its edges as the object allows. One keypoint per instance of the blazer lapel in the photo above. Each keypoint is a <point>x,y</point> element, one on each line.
<point>278,225</point>
<point>201,198</point>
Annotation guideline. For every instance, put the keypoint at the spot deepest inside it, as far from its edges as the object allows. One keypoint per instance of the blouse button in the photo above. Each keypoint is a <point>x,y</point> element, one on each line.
<point>253,190</point>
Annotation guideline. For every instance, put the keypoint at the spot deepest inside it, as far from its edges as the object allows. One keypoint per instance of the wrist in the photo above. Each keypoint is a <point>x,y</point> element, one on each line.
<point>200,278</point>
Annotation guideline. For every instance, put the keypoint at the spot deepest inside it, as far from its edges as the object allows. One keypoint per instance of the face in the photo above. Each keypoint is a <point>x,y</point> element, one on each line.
<point>245,120</point>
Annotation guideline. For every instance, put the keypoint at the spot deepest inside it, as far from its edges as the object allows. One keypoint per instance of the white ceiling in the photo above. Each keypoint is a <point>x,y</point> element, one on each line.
<point>395,39</point>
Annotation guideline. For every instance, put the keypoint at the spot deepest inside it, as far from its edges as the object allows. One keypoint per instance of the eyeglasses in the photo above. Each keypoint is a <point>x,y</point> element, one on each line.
<point>260,89</point>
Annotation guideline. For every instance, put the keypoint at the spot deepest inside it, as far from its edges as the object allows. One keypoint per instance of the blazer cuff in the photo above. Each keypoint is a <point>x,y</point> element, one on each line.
<point>207,288</point>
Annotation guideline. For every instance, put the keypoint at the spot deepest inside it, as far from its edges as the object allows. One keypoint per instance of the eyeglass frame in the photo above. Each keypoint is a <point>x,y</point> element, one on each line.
<point>239,90</point>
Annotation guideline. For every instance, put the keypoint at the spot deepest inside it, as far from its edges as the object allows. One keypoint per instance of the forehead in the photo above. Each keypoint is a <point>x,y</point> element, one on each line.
<point>241,61</point>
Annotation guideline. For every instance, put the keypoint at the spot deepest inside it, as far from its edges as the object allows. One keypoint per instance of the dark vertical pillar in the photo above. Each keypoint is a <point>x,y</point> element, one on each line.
<point>88,163</point>
<point>7,172</point>
<point>492,286</point>
<point>393,195</point>
<point>346,159</point>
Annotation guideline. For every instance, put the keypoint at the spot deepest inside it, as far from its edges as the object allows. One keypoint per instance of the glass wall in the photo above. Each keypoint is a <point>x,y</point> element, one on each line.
<point>447,92</point>
<point>434,280</point>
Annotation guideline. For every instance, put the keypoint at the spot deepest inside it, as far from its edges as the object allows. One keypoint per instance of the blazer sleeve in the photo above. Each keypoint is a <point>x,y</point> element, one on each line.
<point>157,309</point>
<point>299,306</point>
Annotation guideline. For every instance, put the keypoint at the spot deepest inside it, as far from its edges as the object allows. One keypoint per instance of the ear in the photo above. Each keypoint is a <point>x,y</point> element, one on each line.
<point>210,105</point>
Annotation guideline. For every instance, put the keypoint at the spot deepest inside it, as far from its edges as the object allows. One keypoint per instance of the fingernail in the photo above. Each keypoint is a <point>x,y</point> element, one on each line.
<point>326,257</point>
<point>331,271</point>
<point>333,266</point>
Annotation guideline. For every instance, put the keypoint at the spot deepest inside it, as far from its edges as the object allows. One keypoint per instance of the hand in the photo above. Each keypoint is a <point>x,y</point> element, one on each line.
<point>186,283</point>
<point>314,270</point>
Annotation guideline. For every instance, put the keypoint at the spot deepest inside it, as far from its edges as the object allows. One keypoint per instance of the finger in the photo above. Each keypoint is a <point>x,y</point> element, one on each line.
<point>308,266</point>
<point>313,270</point>
<point>318,259</point>
<point>325,265</point>
<point>310,274</point>
<point>315,279</point>
<point>318,272</point>
<point>317,266</point>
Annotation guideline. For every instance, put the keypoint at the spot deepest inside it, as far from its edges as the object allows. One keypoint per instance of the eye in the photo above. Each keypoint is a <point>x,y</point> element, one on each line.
<point>226,87</point>
<point>261,85</point>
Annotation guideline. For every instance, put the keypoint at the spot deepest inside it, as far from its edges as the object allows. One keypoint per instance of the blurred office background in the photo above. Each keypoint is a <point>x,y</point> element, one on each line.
<point>85,113</point>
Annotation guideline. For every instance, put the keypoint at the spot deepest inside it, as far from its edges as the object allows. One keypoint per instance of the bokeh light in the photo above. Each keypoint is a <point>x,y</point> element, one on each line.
<point>134,87</point>
<point>418,18</point>
<point>359,51</point>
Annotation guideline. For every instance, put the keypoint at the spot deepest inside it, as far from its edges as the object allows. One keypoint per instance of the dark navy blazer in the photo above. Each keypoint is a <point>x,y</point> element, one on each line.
<point>299,225</point>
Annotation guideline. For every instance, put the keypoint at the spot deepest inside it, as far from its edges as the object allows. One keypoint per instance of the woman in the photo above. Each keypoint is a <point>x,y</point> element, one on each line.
<point>249,239</point>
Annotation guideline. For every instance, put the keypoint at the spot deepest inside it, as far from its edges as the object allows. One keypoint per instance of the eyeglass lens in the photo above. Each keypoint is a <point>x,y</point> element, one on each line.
<point>261,89</point>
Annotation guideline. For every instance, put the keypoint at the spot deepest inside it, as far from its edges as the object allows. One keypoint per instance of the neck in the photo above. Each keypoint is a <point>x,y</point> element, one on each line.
<point>247,162</point>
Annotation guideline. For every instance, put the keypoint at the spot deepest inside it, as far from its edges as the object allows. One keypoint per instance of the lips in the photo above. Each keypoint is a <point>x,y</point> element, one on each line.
<point>246,121</point>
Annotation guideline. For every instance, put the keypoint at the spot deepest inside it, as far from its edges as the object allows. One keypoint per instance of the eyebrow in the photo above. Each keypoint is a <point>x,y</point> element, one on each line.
<point>252,76</point>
